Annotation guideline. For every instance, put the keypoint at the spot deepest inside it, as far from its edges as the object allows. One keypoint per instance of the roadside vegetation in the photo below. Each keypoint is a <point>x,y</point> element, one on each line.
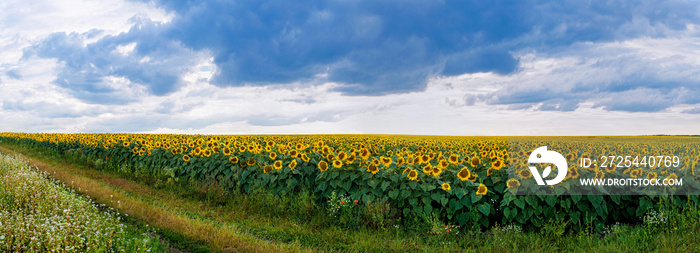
<point>38,214</point>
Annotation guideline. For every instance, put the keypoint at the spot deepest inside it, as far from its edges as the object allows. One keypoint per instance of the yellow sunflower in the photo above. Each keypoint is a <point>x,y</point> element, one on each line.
<point>267,169</point>
<point>323,165</point>
<point>446,186</point>
<point>278,164</point>
<point>428,169</point>
<point>482,190</point>
<point>413,175</point>
<point>454,159</point>
<point>512,183</point>
<point>464,174</point>
<point>475,161</point>
<point>233,159</point>
<point>337,164</point>
<point>293,164</point>
<point>372,169</point>
<point>186,158</point>
<point>273,155</point>
<point>525,173</point>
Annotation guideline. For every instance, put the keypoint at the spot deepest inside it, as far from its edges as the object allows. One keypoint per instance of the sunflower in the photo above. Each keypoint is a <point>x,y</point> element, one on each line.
<point>386,161</point>
<point>251,162</point>
<point>337,164</point>
<point>126,144</point>
<point>365,154</point>
<point>342,156</point>
<point>293,153</point>
<point>330,157</point>
<point>436,171</point>
<point>293,164</point>
<point>372,169</point>
<point>443,164</point>
<point>611,168</point>
<point>482,190</point>
<point>323,166</point>
<point>489,172</point>
<point>233,159</point>
<point>326,149</point>
<point>454,159</point>
<point>400,161</point>
<point>267,169</point>
<point>473,177</point>
<point>305,158</point>
<point>634,173</point>
<point>652,175</point>
<point>424,159</point>
<point>413,175</point>
<point>599,174</point>
<point>672,177</point>
<point>446,186</point>
<point>475,161</point>
<point>227,151</point>
<point>573,173</point>
<point>525,174</point>
<point>186,158</point>
<point>273,155</point>
<point>278,164</point>
<point>464,174</point>
<point>207,152</point>
<point>513,183</point>
<point>428,169</point>
<point>350,159</point>
<point>497,165</point>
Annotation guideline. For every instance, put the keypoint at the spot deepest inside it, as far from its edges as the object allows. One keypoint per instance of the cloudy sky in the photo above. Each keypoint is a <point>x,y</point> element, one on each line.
<point>351,66</point>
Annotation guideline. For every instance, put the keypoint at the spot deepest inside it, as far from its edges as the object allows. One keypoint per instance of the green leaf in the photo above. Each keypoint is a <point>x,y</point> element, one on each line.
<point>615,198</point>
<point>519,202</point>
<point>385,184</point>
<point>427,200</point>
<point>576,198</point>
<point>459,193</point>
<point>443,201</point>
<point>428,209</point>
<point>532,200</point>
<point>602,211</point>
<point>393,194</point>
<point>596,200</point>
<point>436,196</point>
<point>475,198</point>
<point>484,208</point>
<point>551,200</point>
<point>506,213</point>
<point>644,205</point>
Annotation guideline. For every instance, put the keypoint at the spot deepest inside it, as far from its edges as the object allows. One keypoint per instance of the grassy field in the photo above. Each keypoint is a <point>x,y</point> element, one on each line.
<point>38,214</point>
<point>199,214</point>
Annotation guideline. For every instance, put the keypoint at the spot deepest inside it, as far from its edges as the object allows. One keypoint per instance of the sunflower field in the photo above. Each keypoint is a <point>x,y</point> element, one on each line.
<point>461,180</point>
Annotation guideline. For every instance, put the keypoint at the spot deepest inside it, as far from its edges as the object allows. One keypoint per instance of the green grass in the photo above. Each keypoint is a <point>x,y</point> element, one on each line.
<point>300,223</point>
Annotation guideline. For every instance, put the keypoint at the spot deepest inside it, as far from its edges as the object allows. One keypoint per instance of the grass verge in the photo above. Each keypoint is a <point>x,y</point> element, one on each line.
<point>38,214</point>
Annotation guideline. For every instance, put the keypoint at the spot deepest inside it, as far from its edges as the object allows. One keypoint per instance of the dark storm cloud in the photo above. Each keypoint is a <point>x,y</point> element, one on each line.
<point>369,47</point>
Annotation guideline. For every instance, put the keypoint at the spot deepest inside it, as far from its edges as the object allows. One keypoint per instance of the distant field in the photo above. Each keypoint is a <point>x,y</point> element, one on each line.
<point>450,184</point>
